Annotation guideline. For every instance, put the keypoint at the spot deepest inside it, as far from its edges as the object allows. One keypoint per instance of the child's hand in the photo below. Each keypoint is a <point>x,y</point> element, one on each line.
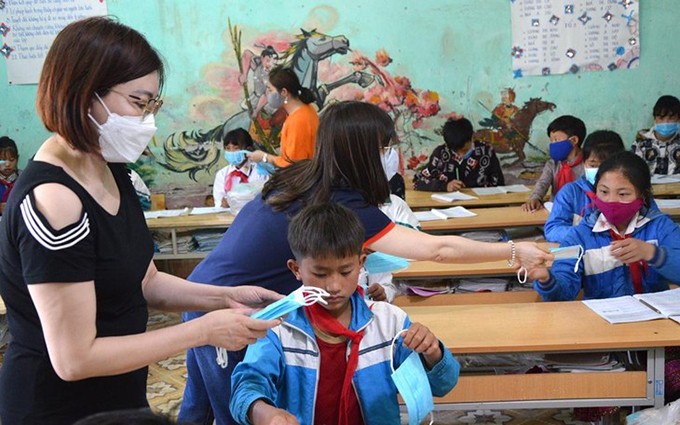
<point>421,340</point>
<point>539,273</point>
<point>262,413</point>
<point>376,292</point>
<point>632,250</point>
<point>532,205</point>
<point>454,185</point>
<point>225,204</point>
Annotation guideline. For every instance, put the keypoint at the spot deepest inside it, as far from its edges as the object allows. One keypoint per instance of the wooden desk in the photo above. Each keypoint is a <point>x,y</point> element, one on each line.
<point>188,222</point>
<point>501,218</point>
<point>419,200</point>
<point>541,328</point>
<point>668,190</point>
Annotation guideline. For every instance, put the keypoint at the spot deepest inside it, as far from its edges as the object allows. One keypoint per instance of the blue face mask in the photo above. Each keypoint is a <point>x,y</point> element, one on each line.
<point>590,174</point>
<point>266,168</point>
<point>377,262</point>
<point>666,129</point>
<point>411,381</point>
<point>235,157</point>
<point>559,151</point>
<point>574,252</point>
<point>274,100</point>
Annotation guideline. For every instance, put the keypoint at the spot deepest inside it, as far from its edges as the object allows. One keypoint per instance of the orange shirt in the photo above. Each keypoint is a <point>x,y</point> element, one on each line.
<point>298,136</point>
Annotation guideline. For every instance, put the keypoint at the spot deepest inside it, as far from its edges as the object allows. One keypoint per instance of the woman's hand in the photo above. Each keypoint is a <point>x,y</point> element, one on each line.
<point>233,331</point>
<point>632,250</point>
<point>376,292</point>
<point>421,340</point>
<point>256,156</point>
<point>247,299</point>
<point>530,256</point>
<point>262,413</point>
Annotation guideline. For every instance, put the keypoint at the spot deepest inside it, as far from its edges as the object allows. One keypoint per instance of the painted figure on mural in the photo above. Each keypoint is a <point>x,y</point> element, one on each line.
<point>502,114</point>
<point>258,66</point>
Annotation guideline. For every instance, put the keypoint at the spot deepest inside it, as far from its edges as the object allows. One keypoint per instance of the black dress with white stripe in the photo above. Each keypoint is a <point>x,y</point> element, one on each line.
<point>114,251</point>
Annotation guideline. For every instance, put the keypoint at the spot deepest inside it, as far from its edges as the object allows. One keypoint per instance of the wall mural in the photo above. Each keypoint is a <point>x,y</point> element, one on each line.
<point>327,65</point>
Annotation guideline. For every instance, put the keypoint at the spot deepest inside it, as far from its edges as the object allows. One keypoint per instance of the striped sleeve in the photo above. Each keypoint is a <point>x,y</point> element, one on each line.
<point>49,255</point>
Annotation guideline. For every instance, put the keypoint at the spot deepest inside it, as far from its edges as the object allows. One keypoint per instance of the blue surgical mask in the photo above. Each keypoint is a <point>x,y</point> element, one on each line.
<point>574,252</point>
<point>274,100</point>
<point>590,174</point>
<point>666,129</point>
<point>559,151</point>
<point>377,262</point>
<point>235,157</point>
<point>266,168</point>
<point>411,381</point>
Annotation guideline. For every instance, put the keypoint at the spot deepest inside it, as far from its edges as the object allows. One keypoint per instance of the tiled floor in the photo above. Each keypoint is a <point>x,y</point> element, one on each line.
<point>167,378</point>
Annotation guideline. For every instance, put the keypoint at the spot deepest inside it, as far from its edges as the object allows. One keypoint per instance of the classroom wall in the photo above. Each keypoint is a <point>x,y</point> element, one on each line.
<point>455,53</point>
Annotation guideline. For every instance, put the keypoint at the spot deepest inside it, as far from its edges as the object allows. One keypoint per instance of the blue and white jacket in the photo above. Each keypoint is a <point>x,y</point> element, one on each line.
<point>570,205</point>
<point>602,276</point>
<point>283,367</point>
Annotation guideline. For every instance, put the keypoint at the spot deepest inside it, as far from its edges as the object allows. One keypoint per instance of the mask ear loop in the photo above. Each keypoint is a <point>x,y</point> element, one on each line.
<point>304,295</point>
<point>581,253</point>
<point>392,363</point>
<point>522,274</point>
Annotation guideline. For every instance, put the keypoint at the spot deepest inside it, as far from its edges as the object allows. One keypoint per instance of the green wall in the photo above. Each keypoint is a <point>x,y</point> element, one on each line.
<point>458,48</point>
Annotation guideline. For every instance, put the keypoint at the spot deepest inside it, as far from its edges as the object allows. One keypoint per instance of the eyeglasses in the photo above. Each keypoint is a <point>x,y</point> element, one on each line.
<point>150,106</point>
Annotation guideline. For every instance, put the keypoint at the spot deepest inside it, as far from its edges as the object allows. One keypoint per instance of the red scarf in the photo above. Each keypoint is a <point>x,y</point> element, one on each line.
<point>564,175</point>
<point>635,268</point>
<point>8,188</point>
<point>229,181</point>
<point>321,319</point>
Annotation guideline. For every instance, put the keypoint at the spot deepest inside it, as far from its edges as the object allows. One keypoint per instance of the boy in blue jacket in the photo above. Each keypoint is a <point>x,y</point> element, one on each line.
<point>575,199</point>
<point>629,245</point>
<point>331,364</point>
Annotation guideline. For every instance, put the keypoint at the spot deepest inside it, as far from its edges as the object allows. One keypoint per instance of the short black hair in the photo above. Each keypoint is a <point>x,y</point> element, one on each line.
<point>325,230</point>
<point>457,133</point>
<point>666,106</point>
<point>569,125</point>
<point>8,145</point>
<point>602,144</point>
<point>238,137</point>
<point>127,417</point>
<point>633,168</point>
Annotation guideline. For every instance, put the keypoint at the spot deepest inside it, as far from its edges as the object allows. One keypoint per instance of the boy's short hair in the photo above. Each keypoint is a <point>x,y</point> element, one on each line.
<point>238,137</point>
<point>666,106</point>
<point>326,230</point>
<point>602,144</point>
<point>457,133</point>
<point>7,146</point>
<point>569,125</point>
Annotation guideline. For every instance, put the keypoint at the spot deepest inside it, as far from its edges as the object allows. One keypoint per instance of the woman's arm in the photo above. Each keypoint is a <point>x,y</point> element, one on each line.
<point>409,243</point>
<point>67,314</point>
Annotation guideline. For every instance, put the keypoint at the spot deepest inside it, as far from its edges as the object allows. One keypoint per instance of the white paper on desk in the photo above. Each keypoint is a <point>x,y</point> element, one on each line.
<point>622,310</point>
<point>499,190</point>
<point>665,178</point>
<point>668,203</point>
<point>165,213</point>
<point>452,196</point>
<point>548,206</point>
<point>443,214</point>
<point>208,210</point>
<point>665,302</point>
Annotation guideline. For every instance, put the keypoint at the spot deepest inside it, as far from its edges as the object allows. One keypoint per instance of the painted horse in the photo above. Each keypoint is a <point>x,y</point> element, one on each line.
<point>514,137</point>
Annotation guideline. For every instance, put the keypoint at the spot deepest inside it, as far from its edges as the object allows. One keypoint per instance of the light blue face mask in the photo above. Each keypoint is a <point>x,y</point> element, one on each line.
<point>666,129</point>
<point>266,168</point>
<point>574,252</point>
<point>303,296</point>
<point>378,262</point>
<point>411,381</point>
<point>590,174</point>
<point>235,157</point>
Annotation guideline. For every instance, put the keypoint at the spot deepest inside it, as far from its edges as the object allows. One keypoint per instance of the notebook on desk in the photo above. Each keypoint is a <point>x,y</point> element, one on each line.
<point>638,307</point>
<point>453,196</point>
<point>499,190</point>
<point>443,214</point>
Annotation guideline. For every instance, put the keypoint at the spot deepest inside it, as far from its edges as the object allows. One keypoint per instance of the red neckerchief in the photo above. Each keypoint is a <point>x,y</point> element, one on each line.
<point>564,175</point>
<point>321,319</point>
<point>591,204</point>
<point>229,181</point>
<point>8,188</point>
<point>635,268</point>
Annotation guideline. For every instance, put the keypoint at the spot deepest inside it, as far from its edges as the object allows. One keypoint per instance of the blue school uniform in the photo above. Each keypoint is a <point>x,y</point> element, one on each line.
<point>570,205</point>
<point>602,276</point>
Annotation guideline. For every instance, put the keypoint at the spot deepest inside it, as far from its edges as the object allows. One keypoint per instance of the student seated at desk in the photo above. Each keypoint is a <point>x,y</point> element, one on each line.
<point>566,160</point>
<point>460,162</point>
<point>575,199</point>
<point>237,145</point>
<point>301,373</point>
<point>9,155</point>
<point>660,145</point>
<point>629,245</point>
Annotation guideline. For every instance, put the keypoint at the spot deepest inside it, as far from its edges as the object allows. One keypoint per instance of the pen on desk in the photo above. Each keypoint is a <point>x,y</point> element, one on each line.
<point>457,174</point>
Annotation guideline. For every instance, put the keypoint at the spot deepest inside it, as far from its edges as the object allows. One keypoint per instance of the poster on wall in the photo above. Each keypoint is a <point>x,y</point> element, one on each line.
<point>571,36</point>
<point>28,28</point>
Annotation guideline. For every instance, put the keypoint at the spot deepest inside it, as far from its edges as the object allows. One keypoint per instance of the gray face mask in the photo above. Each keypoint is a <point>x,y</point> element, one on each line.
<point>274,100</point>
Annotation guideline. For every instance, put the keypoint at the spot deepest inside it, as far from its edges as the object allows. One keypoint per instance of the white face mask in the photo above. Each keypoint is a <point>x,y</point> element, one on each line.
<point>390,161</point>
<point>124,138</point>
